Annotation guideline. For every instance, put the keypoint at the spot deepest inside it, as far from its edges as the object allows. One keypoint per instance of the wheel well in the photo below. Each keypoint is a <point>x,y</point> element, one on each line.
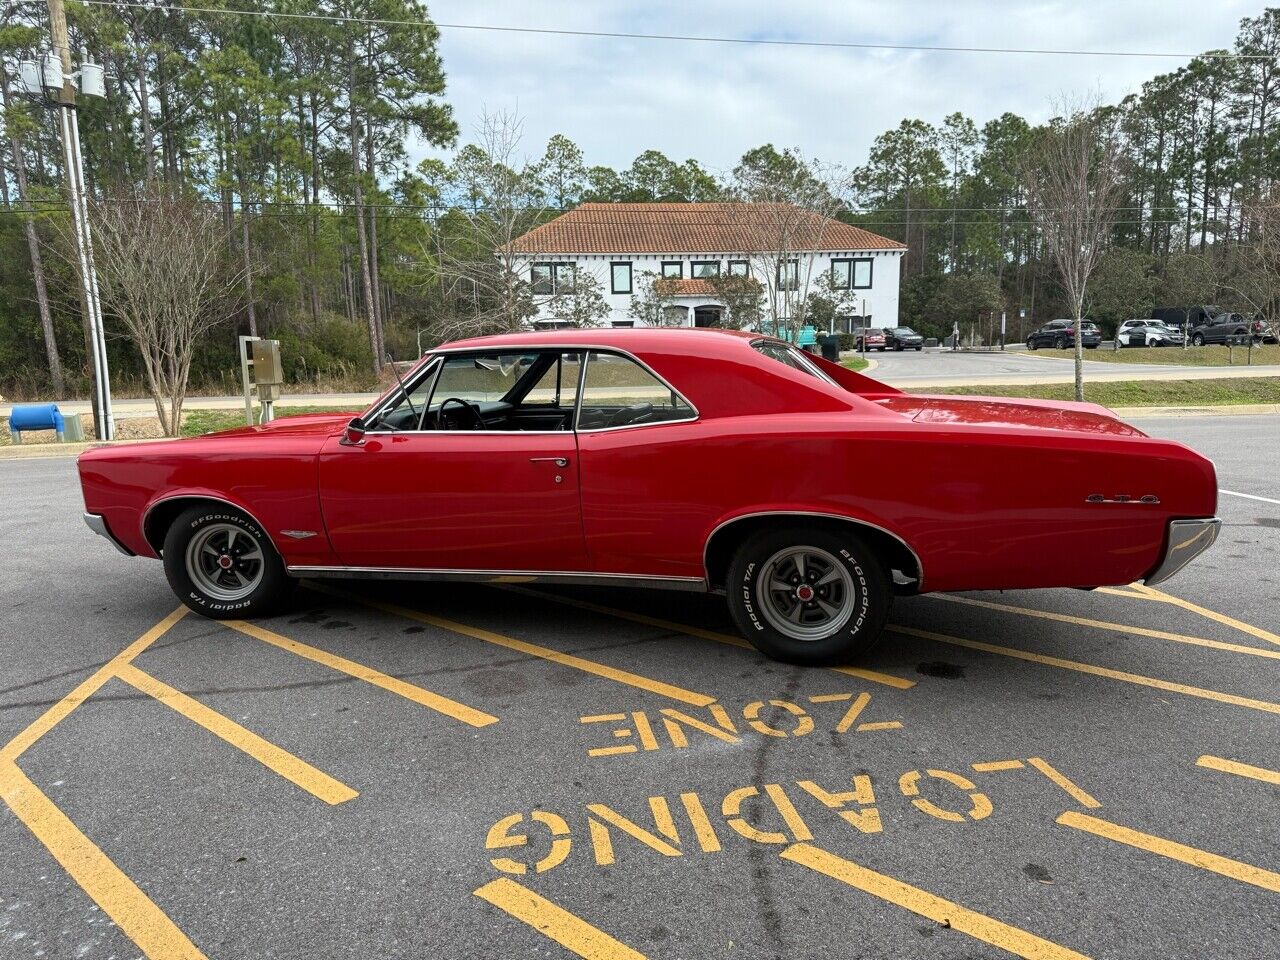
<point>725,541</point>
<point>160,517</point>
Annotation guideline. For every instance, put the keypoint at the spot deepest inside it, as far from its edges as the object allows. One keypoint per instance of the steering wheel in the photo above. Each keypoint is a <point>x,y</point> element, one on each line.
<point>631,414</point>
<point>467,405</point>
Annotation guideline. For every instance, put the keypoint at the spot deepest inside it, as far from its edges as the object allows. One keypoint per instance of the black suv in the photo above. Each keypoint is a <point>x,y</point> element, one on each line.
<point>1062,334</point>
<point>1218,328</point>
<point>903,338</point>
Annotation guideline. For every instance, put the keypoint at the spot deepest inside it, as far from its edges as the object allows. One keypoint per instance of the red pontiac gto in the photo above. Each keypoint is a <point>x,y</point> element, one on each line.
<point>685,459</point>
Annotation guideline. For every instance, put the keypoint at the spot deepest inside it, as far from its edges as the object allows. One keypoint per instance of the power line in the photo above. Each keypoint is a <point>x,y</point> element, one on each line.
<point>676,37</point>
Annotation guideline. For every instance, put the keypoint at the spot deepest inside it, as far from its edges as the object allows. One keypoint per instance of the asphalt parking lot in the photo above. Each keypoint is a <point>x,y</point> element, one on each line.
<point>409,770</point>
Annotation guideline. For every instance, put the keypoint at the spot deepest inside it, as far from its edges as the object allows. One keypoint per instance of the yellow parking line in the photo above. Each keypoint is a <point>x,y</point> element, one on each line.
<point>419,695</point>
<point>1080,796</point>
<point>300,772</point>
<point>534,650</point>
<point>129,908</point>
<point>1222,618</point>
<point>1166,685</point>
<point>1244,872</point>
<point>59,711</point>
<point>1115,627</point>
<point>872,675</point>
<point>935,908</point>
<point>553,921</point>
<point>1239,769</point>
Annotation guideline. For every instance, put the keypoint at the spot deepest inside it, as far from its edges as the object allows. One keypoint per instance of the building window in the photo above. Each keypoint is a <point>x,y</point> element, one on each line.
<point>738,268</point>
<point>841,274</point>
<point>676,316</point>
<point>540,279</point>
<point>547,279</point>
<point>862,274</point>
<point>789,275</point>
<point>704,268</point>
<point>621,276</point>
<point>672,269</point>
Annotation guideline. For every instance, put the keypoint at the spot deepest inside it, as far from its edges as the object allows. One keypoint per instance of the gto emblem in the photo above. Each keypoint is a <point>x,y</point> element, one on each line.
<point>1121,498</point>
<point>298,534</point>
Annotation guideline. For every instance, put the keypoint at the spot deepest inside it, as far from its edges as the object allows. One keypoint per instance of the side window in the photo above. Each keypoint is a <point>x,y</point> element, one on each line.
<point>619,392</point>
<point>558,386</point>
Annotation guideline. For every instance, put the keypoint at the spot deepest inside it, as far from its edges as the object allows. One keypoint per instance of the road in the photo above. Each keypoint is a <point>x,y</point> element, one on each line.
<point>1010,774</point>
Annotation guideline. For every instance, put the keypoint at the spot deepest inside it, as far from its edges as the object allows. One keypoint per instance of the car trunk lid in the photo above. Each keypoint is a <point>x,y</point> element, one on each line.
<point>1009,412</point>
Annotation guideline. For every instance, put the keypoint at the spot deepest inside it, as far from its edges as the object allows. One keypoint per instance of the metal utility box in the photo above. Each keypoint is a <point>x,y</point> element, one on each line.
<point>266,362</point>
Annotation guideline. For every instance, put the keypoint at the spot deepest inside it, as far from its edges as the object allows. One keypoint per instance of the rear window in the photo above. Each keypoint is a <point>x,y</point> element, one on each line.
<point>785,353</point>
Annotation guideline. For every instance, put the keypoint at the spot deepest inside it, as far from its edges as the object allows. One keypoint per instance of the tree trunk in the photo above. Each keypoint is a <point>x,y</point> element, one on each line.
<point>375,273</point>
<point>37,263</point>
<point>371,316</point>
<point>144,111</point>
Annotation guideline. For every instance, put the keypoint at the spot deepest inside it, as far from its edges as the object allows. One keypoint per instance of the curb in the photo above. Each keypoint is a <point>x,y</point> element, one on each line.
<point>53,451</point>
<point>1219,410</point>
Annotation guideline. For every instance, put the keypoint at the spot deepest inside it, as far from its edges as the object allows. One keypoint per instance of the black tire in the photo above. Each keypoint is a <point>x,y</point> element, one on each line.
<point>919,348</point>
<point>1032,344</point>
<point>202,531</point>
<point>1062,343</point>
<point>861,592</point>
<point>1197,340</point>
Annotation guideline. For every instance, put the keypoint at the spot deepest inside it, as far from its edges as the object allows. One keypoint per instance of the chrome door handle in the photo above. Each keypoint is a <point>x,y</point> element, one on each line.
<point>558,461</point>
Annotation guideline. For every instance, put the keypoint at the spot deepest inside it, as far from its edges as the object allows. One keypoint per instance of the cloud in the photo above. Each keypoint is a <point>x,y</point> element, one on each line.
<point>616,97</point>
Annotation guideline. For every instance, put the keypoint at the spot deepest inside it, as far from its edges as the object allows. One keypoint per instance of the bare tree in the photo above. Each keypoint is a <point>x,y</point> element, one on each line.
<point>781,206</point>
<point>1075,182</point>
<point>652,300</point>
<point>166,278</point>
<point>502,201</point>
<point>1255,266</point>
<point>580,302</point>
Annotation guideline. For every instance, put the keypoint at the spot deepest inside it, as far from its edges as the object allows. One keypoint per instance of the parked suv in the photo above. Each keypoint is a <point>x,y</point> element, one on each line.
<point>1148,333</point>
<point>1062,334</point>
<point>903,338</point>
<point>874,339</point>
<point>1218,328</point>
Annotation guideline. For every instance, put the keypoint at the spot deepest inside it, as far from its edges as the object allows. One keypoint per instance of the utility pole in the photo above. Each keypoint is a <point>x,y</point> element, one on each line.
<point>91,305</point>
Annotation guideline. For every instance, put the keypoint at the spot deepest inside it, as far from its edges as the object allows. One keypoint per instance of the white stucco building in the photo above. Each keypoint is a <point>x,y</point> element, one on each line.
<point>788,251</point>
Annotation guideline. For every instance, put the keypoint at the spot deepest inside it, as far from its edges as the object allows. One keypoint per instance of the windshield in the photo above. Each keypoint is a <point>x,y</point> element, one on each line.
<point>904,331</point>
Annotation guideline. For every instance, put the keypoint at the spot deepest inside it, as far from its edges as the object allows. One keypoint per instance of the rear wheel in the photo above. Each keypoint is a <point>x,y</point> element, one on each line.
<point>222,564</point>
<point>1063,343</point>
<point>808,595</point>
<point>1198,340</point>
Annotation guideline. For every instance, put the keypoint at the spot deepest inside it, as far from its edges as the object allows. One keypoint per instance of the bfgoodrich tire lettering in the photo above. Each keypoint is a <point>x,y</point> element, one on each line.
<point>809,595</point>
<point>243,575</point>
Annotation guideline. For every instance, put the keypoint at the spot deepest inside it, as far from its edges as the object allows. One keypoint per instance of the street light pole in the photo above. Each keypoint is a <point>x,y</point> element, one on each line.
<point>103,418</point>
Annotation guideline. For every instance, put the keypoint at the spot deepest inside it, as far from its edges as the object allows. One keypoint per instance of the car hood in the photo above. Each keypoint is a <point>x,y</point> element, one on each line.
<point>1007,412</point>
<point>299,425</point>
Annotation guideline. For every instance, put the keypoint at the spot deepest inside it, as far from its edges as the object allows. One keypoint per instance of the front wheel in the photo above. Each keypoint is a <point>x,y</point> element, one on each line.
<point>221,564</point>
<point>919,349</point>
<point>1032,345</point>
<point>808,595</point>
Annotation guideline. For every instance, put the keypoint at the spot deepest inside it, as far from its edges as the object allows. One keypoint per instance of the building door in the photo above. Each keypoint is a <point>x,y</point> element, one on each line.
<point>709,316</point>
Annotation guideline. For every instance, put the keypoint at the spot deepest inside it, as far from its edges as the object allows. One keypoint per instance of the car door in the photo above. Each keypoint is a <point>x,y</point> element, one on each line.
<point>452,498</point>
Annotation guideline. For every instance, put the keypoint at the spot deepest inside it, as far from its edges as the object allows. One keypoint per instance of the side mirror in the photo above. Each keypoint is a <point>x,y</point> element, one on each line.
<point>353,433</point>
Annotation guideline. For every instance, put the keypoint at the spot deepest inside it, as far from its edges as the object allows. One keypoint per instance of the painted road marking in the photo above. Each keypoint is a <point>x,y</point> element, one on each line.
<point>1115,627</point>
<point>554,922</point>
<point>874,676</point>
<point>1239,769</point>
<point>935,908</point>
<point>119,897</point>
<point>315,782</point>
<point>1244,872</point>
<point>532,649</point>
<point>1089,668</point>
<point>419,695</point>
<point>1079,795</point>
<point>60,710</point>
<point>1249,496</point>
<point>1249,628</point>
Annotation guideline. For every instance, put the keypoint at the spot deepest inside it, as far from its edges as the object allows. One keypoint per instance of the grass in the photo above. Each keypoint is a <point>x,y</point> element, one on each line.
<point>1138,393</point>
<point>1214,356</point>
<point>854,363</point>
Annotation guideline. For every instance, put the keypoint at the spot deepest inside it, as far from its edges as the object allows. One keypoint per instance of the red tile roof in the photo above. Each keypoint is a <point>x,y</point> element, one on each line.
<point>672,228</point>
<point>691,288</point>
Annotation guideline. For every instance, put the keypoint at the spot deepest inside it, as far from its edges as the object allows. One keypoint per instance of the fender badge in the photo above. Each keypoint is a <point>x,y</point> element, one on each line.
<point>1146,498</point>
<point>298,534</point>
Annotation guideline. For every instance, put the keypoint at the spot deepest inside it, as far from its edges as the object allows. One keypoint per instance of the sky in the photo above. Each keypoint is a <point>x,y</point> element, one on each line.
<point>618,97</point>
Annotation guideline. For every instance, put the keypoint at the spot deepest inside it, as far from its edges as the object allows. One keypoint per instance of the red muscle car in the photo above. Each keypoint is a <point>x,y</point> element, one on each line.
<point>686,459</point>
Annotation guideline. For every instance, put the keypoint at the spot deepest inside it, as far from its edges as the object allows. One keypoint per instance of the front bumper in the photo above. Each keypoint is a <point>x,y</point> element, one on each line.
<point>1187,540</point>
<point>98,524</point>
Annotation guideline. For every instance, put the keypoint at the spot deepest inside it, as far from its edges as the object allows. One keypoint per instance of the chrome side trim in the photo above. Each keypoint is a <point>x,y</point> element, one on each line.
<point>697,584</point>
<point>215,499</point>
<point>1187,540</point>
<point>98,525</point>
<point>812,513</point>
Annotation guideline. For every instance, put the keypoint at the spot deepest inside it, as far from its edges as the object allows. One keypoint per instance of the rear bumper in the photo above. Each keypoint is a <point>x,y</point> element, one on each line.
<point>98,524</point>
<point>1187,540</point>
